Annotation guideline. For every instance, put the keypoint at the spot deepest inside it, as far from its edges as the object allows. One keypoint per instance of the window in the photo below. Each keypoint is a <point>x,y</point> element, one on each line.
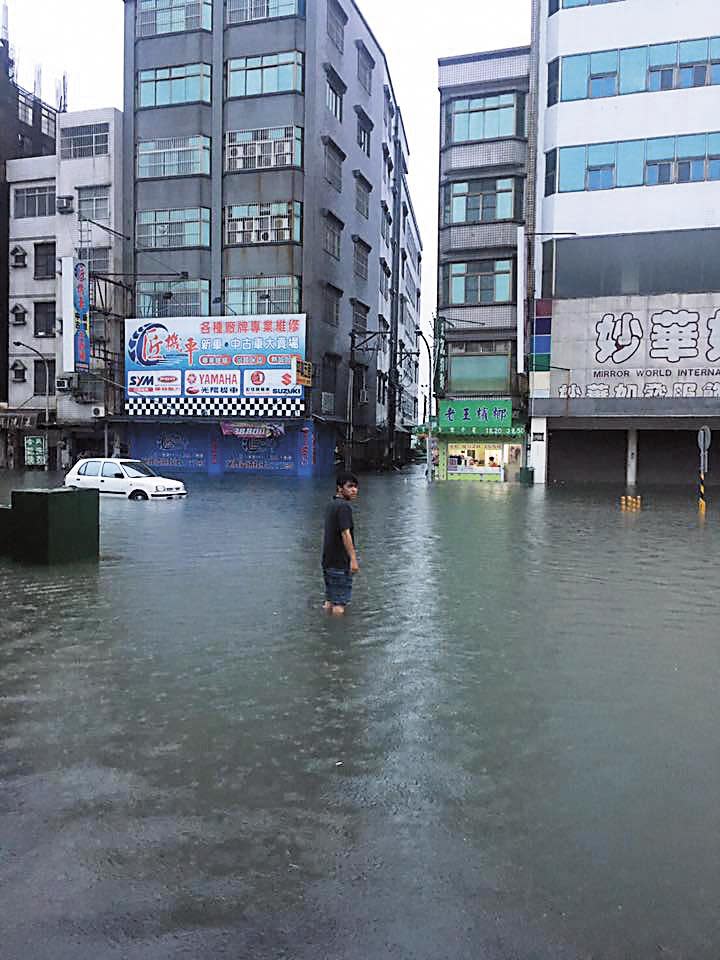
<point>476,201</point>
<point>19,372</point>
<point>172,16</point>
<point>92,140</point>
<point>553,82</point>
<point>336,20</point>
<point>359,315</point>
<point>362,195</point>
<point>173,298</point>
<point>693,70</point>
<point>18,315</point>
<point>158,229</point>
<point>328,382</point>
<point>44,372</point>
<point>361,255</point>
<point>48,121</point>
<point>478,282</point>
<point>334,97</point>
<point>35,201</point>
<point>94,203</point>
<point>173,157</point>
<point>245,11</point>
<point>44,318</point>
<point>384,279</point>
<point>279,222</point>
<point>98,258</point>
<point>634,163</point>
<point>365,66</point>
<point>331,314</point>
<point>25,108</point>
<point>45,261</point>
<point>554,5</point>
<point>332,237</point>
<point>91,468</point>
<point>385,223</point>
<point>334,158</point>
<point>263,149</point>
<point>480,372</point>
<point>253,295</point>
<point>271,73</point>
<point>363,134</point>
<point>165,86</point>
<point>484,118</point>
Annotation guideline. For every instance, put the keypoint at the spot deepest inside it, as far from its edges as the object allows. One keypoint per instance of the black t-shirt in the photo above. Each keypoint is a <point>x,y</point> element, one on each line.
<point>338,517</point>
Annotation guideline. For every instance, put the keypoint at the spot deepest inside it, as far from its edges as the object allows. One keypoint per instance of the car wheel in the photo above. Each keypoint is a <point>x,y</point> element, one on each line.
<point>138,495</point>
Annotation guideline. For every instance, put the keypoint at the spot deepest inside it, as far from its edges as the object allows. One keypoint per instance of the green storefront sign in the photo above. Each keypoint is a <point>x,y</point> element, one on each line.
<point>35,452</point>
<point>491,418</point>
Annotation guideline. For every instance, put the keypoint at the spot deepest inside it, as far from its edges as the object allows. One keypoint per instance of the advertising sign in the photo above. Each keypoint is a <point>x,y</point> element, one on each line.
<point>214,356</point>
<point>477,417</point>
<point>252,431</point>
<point>637,348</point>
<point>35,451</point>
<point>81,302</point>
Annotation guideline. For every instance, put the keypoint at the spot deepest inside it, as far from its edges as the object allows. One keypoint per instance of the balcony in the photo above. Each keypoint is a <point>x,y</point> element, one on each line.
<point>478,236</point>
<point>510,154</point>
<point>498,317</point>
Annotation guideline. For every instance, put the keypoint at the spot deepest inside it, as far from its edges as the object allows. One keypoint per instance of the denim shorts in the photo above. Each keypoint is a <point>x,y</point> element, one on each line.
<point>338,586</point>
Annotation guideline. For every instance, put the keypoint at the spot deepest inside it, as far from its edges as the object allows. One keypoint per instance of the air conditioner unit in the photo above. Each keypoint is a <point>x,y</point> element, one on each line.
<point>65,204</point>
<point>98,412</point>
<point>363,396</point>
<point>63,384</point>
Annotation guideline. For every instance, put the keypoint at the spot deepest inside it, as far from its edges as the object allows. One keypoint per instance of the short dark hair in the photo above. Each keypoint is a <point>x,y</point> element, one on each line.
<point>344,476</point>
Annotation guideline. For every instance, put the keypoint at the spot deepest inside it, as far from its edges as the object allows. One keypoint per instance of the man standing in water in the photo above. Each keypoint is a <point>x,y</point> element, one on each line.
<point>339,560</point>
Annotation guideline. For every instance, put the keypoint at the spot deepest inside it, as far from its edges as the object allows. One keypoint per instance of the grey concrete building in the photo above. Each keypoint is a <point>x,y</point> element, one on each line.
<point>265,172</point>
<point>483,200</point>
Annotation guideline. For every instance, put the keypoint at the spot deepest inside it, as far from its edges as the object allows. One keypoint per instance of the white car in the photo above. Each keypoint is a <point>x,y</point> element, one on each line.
<point>125,478</point>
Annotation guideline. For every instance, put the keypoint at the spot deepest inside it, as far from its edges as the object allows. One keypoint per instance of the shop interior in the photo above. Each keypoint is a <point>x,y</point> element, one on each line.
<point>492,460</point>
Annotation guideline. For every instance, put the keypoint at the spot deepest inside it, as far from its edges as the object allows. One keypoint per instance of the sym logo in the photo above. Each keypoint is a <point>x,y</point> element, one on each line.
<point>257,378</point>
<point>141,379</point>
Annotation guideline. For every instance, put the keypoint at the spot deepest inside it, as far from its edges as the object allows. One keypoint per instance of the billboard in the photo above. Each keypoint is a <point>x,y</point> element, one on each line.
<point>81,303</point>
<point>211,357</point>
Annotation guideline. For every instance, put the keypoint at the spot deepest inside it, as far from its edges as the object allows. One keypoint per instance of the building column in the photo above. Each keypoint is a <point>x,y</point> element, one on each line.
<point>632,451</point>
<point>538,448</point>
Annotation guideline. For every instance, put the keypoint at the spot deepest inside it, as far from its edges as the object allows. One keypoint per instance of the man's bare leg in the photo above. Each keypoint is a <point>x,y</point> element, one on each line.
<point>328,605</point>
<point>338,610</point>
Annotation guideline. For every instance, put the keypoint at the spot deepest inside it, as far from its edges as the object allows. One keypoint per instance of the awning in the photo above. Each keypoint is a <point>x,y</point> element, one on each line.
<point>18,419</point>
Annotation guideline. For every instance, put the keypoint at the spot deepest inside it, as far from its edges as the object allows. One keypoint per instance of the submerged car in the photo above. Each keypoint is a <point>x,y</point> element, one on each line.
<point>125,478</point>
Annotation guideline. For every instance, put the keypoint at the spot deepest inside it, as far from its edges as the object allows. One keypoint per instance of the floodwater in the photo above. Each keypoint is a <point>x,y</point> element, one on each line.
<point>508,750</point>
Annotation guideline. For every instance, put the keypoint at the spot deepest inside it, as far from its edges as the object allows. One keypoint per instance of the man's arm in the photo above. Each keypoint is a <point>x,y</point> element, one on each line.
<point>350,550</point>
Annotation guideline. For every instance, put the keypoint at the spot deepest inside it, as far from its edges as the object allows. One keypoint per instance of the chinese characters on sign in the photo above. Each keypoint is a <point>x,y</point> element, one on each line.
<point>638,354</point>
<point>476,417</point>
<point>81,301</point>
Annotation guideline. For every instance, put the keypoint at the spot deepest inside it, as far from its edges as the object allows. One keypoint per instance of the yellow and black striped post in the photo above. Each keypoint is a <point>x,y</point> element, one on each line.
<point>702,502</point>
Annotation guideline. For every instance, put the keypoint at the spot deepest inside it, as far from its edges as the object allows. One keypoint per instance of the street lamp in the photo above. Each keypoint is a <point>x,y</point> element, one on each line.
<point>20,343</point>
<point>421,336</point>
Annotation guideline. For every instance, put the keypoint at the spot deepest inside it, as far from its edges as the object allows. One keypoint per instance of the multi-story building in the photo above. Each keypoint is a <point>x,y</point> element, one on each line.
<point>66,207</point>
<point>265,162</point>
<point>27,129</point>
<point>482,204</point>
<point>626,347</point>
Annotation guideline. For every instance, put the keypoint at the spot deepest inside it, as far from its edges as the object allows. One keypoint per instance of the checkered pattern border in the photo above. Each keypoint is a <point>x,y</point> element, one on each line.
<point>225,407</point>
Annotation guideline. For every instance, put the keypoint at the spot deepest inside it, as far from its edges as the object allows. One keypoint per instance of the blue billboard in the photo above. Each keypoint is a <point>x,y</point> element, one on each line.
<point>214,357</point>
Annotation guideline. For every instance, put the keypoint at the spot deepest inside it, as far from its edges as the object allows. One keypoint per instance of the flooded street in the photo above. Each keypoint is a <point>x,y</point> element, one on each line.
<point>507,750</point>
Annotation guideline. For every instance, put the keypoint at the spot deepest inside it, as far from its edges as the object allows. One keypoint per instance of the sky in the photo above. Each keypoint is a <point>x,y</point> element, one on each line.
<point>85,38</point>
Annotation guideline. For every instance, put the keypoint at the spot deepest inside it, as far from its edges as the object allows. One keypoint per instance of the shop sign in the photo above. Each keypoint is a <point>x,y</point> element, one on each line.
<point>35,452</point>
<point>304,373</point>
<point>18,421</point>
<point>81,301</point>
<point>252,431</point>
<point>476,417</point>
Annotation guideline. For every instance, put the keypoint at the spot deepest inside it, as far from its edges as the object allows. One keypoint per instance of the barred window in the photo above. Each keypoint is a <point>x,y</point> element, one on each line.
<point>362,196</point>
<point>164,86</point>
<point>365,67</point>
<point>279,222</point>
<point>257,295</point>
<point>172,16</point>
<point>35,201</point>
<point>264,148</point>
<point>333,298</point>
<point>45,265</point>
<point>271,73</point>
<point>334,98</point>
<point>94,203</point>
<point>158,229</point>
<point>173,298</point>
<point>361,254</point>
<point>92,140</point>
<point>336,20</point>
<point>334,158</point>
<point>25,108</point>
<point>332,239</point>
<point>244,11</point>
<point>44,379</point>
<point>173,157</point>
<point>363,136</point>
<point>98,258</point>
<point>360,315</point>
<point>48,121</point>
<point>44,316</point>
<point>384,279</point>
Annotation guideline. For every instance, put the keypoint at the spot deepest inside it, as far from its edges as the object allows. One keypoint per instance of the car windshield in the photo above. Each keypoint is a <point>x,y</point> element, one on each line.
<point>136,468</point>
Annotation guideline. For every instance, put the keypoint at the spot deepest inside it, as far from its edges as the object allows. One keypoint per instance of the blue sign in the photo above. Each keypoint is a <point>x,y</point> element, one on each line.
<point>81,302</point>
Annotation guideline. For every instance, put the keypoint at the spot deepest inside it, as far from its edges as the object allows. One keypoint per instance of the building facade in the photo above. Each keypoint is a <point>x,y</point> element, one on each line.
<point>64,207</point>
<point>480,372</point>
<point>27,129</point>
<point>265,161</point>
<point>626,338</point>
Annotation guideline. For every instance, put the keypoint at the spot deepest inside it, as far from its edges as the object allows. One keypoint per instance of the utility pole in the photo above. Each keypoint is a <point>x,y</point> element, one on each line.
<point>349,413</point>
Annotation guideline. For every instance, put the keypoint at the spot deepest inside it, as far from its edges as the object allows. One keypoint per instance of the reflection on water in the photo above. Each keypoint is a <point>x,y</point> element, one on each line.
<point>508,749</point>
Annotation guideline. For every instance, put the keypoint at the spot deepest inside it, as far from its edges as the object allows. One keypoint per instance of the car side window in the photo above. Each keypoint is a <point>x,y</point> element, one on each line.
<point>113,471</point>
<point>92,468</point>
<point>81,471</point>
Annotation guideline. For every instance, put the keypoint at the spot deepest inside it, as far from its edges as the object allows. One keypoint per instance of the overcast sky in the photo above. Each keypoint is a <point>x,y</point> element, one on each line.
<point>84,37</point>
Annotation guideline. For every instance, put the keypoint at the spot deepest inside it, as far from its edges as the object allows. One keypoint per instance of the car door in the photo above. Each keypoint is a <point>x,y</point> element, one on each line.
<point>90,478</point>
<point>112,479</point>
